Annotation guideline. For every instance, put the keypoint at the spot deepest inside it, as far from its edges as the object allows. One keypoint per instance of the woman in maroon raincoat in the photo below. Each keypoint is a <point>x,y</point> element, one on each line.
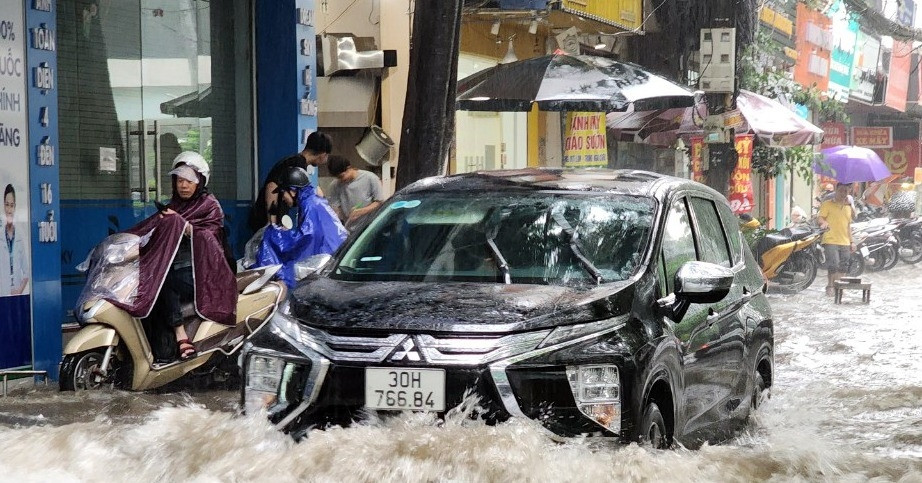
<point>184,257</point>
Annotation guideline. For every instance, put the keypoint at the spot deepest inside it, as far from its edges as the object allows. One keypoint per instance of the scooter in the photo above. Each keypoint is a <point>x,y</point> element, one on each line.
<point>877,246</point>
<point>113,349</point>
<point>790,258</point>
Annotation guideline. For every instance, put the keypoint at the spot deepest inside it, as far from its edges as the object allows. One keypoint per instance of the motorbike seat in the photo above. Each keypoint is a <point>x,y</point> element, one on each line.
<point>247,277</point>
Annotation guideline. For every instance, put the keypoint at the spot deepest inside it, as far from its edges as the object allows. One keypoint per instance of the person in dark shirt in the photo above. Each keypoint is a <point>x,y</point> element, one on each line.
<point>316,150</point>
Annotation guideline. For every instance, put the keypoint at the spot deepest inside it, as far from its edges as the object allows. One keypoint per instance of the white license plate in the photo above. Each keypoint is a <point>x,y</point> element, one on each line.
<point>865,252</point>
<point>399,388</point>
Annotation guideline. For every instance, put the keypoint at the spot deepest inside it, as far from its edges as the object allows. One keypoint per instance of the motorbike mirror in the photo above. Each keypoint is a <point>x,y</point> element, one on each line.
<point>311,265</point>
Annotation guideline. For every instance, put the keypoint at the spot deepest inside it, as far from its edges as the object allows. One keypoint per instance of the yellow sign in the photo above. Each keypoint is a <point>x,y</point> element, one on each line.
<point>776,20</point>
<point>622,13</point>
<point>584,143</point>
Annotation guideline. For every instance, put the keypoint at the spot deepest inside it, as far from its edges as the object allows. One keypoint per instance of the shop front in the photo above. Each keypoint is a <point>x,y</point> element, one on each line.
<point>115,90</point>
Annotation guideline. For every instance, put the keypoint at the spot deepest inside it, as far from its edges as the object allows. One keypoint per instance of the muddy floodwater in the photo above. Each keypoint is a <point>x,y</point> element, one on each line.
<point>846,407</point>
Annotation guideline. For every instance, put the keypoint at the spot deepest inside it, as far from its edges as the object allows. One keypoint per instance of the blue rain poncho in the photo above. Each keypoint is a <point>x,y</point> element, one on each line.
<point>318,231</point>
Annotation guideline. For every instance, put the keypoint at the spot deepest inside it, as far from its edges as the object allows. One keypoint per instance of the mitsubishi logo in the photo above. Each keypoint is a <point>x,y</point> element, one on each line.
<point>407,350</point>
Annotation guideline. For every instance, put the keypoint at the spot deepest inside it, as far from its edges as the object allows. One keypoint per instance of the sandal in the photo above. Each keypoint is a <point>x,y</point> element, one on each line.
<point>187,351</point>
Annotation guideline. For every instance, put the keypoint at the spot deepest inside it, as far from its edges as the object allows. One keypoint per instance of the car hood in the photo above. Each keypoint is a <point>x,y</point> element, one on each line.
<point>453,307</point>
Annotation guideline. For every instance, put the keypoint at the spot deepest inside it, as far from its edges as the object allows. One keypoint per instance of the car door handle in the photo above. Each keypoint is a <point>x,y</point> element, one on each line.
<point>732,308</point>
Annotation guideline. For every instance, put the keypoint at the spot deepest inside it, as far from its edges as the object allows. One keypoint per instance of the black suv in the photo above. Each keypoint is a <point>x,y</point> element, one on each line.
<point>598,302</point>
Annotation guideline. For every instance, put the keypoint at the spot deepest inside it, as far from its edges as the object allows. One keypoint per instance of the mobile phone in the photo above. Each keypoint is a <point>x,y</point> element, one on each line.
<point>160,206</point>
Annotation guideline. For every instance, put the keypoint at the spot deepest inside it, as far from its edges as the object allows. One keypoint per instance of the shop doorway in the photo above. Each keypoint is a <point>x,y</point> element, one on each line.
<point>139,82</point>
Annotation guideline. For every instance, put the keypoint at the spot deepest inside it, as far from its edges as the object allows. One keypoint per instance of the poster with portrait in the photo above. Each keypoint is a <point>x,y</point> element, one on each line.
<point>15,243</point>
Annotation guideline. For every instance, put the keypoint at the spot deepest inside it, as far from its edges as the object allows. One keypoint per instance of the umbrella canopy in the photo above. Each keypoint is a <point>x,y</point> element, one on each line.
<point>774,124</point>
<point>562,82</point>
<point>851,164</point>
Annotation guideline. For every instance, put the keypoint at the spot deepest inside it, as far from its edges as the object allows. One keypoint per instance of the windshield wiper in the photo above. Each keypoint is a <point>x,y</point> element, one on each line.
<point>574,247</point>
<point>500,261</point>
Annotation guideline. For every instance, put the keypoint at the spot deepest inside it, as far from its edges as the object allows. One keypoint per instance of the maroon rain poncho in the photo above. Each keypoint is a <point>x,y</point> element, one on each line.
<point>215,285</point>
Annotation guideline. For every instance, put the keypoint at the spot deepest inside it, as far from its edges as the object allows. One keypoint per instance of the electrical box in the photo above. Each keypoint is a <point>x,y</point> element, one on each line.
<point>715,131</point>
<point>718,60</point>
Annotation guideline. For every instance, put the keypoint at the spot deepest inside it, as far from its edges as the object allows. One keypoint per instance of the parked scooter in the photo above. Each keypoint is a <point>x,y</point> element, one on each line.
<point>113,347</point>
<point>910,237</point>
<point>790,258</point>
<point>877,246</point>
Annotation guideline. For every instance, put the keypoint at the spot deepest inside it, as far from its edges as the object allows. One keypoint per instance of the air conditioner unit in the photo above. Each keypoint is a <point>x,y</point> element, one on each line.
<point>717,60</point>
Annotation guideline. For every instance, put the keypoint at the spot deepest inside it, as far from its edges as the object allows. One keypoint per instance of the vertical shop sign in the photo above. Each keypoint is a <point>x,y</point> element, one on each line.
<point>898,79</point>
<point>844,37</point>
<point>585,142</point>
<point>865,70</point>
<point>697,168</point>
<point>741,195</point>
<point>15,244</point>
<point>814,43</point>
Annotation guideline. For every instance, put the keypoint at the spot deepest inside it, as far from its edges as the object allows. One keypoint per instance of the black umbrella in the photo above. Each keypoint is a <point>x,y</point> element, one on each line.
<point>561,82</point>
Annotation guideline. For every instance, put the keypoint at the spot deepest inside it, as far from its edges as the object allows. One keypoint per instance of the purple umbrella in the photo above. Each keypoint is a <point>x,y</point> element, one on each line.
<point>851,164</point>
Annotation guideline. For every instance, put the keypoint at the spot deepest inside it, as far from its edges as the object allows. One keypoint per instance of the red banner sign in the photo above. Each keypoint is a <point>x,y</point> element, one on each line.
<point>872,137</point>
<point>902,158</point>
<point>834,134</point>
<point>697,169</point>
<point>741,196</point>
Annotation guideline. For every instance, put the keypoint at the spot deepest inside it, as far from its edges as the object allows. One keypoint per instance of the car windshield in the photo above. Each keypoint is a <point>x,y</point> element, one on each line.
<point>535,238</point>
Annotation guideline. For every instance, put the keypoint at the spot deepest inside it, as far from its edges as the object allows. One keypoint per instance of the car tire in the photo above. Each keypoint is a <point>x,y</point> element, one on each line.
<point>758,392</point>
<point>653,428</point>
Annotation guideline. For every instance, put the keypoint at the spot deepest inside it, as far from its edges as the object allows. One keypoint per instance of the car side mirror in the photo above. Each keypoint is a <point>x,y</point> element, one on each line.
<point>703,282</point>
<point>696,283</point>
<point>311,265</point>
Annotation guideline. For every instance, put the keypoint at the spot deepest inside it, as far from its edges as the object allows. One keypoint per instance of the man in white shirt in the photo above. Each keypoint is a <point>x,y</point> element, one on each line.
<point>14,270</point>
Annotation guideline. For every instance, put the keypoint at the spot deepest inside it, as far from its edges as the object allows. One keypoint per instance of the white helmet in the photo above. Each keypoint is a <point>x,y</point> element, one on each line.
<point>195,161</point>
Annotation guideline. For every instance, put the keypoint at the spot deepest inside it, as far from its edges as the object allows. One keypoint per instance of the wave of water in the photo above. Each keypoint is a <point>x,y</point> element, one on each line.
<point>846,407</point>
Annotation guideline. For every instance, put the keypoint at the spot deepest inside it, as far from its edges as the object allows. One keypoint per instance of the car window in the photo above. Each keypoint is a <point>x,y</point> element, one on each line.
<point>732,228</point>
<point>678,241</point>
<point>543,238</point>
<point>712,241</point>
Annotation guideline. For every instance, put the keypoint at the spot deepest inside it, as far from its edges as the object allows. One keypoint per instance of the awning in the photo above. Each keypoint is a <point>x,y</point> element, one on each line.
<point>194,104</point>
<point>774,124</point>
<point>771,123</point>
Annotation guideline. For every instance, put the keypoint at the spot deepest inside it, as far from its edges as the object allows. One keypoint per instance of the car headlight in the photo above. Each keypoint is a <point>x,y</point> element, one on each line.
<point>263,378</point>
<point>597,392</point>
<point>570,332</point>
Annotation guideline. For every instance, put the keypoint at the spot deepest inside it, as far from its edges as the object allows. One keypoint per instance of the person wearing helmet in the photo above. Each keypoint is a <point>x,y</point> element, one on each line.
<point>184,250</point>
<point>317,230</point>
<point>316,150</point>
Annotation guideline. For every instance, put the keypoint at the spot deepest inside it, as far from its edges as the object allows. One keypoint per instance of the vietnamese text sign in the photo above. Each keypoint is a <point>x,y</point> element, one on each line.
<point>833,134</point>
<point>697,168</point>
<point>872,137</point>
<point>844,36</point>
<point>584,140</point>
<point>15,240</point>
<point>741,195</point>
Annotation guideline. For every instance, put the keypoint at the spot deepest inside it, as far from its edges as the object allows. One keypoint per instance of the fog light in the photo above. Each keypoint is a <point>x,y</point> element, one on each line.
<point>597,392</point>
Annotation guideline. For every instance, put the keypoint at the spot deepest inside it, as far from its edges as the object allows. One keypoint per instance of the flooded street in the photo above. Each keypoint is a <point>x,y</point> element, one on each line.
<point>846,407</point>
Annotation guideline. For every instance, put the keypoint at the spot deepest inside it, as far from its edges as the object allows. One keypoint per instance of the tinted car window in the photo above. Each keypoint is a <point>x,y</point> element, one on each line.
<point>712,241</point>
<point>678,241</point>
<point>732,229</point>
<point>544,238</point>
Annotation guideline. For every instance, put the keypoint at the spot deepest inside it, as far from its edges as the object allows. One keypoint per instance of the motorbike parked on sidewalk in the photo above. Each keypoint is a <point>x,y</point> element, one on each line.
<point>877,246</point>
<point>790,258</point>
<point>910,237</point>
<point>113,348</point>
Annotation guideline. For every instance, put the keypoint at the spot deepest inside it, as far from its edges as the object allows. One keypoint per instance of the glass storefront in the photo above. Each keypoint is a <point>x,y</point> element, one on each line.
<point>139,82</point>
<point>488,140</point>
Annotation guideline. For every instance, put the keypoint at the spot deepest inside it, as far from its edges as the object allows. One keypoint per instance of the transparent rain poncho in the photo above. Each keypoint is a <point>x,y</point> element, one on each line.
<point>112,270</point>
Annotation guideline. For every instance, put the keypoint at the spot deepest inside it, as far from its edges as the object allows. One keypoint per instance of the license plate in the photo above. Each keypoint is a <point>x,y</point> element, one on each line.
<point>399,388</point>
<point>865,252</point>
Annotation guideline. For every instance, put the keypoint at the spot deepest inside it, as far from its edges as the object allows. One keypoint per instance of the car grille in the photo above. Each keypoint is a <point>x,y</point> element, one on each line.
<point>407,348</point>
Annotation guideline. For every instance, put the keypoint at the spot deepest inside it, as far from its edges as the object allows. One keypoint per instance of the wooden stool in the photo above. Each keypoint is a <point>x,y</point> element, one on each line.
<point>840,286</point>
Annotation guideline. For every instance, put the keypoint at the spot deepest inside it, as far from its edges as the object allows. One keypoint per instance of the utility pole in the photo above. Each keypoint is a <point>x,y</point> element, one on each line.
<point>429,111</point>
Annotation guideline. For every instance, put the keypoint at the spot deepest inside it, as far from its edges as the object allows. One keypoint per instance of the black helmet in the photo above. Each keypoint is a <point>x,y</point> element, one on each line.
<point>295,177</point>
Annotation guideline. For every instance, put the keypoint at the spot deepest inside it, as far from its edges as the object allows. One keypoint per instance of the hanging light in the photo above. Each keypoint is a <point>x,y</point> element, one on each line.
<point>600,44</point>
<point>533,27</point>
<point>494,30</point>
<point>510,54</point>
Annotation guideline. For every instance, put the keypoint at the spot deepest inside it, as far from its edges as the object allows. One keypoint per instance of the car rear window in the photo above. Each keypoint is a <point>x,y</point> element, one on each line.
<point>543,238</point>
